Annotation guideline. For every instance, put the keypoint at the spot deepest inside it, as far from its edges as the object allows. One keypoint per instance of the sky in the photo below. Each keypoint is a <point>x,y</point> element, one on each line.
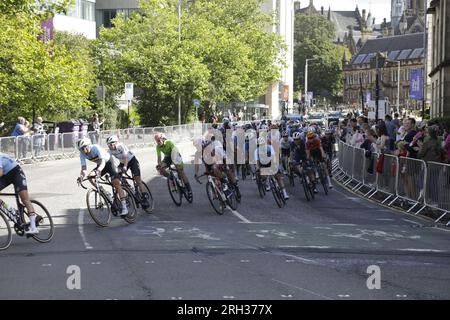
<point>380,8</point>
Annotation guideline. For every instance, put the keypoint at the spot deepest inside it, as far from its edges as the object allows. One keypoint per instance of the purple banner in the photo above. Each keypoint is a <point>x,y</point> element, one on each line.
<point>47,30</point>
<point>416,84</point>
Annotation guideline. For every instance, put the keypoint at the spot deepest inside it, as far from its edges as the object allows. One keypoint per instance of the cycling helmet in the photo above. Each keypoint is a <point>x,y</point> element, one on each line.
<point>226,121</point>
<point>159,136</point>
<point>285,134</point>
<point>112,139</point>
<point>297,135</point>
<point>84,142</point>
<point>311,135</point>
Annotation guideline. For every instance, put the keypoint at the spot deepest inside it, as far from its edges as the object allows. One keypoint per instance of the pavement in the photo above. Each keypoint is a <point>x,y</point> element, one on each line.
<point>323,249</point>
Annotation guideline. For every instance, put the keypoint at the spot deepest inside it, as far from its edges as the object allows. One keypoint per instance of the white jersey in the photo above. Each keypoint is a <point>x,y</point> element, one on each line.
<point>121,153</point>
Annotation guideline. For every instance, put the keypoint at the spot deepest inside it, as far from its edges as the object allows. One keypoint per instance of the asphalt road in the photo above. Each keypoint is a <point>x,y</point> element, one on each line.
<point>307,250</point>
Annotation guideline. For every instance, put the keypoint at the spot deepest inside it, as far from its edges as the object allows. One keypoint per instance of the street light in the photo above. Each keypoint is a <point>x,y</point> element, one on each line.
<point>179,40</point>
<point>306,79</point>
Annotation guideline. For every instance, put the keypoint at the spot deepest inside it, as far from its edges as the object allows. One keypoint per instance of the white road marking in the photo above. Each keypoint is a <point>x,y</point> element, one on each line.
<point>228,297</point>
<point>150,261</point>
<point>343,295</point>
<point>315,247</point>
<point>81,230</point>
<point>288,261</point>
<point>176,298</point>
<point>421,250</point>
<point>401,296</point>
<point>413,222</point>
<point>197,261</point>
<point>244,261</point>
<point>240,216</point>
<point>97,262</point>
<point>325,228</point>
<point>286,296</point>
<point>47,265</point>
<point>385,219</point>
<point>344,224</point>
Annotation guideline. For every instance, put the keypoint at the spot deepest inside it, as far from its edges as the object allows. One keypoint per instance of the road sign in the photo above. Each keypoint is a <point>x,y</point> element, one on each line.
<point>196,103</point>
<point>129,94</point>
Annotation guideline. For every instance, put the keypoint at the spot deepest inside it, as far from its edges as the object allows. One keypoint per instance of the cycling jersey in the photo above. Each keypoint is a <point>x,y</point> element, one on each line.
<point>7,163</point>
<point>313,144</point>
<point>298,152</point>
<point>122,153</point>
<point>285,146</point>
<point>270,155</point>
<point>327,144</point>
<point>97,153</point>
<point>166,149</point>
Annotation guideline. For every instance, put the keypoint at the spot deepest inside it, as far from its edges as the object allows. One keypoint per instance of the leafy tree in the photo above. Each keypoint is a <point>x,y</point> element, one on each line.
<point>224,54</point>
<point>314,36</point>
<point>47,77</point>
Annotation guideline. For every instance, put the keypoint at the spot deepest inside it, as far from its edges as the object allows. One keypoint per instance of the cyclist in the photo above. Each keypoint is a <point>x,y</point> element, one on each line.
<point>268,149</point>
<point>328,140</point>
<point>127,161</point>
<point>12,173</point>
<point>105,165</point>
<point>167,148</point>
<point>314,151</point>
<point>299,158</point>
<point>285,146</point>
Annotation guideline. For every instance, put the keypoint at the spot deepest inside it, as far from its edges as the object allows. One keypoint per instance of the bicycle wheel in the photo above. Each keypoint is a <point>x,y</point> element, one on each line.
<point>232,198</point>
<point>5,232</point>
<point>98,207</point>
<point>261,187</point>
<point>147,196</point>
<point>189,197</point>
<point>276,193</point>
<point>214,198</point>
<point>306,188</point>
<point>44,222</point>
<point>323,180</point>
<point>131,206</point>
<point>175,193</point>
<point>244,171</point>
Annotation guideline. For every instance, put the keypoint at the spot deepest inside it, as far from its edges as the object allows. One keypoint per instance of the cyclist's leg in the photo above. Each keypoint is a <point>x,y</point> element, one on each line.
<point>164,165</point>
<point>111,169</point>
<point>135,168</point>
<point>19,181</point>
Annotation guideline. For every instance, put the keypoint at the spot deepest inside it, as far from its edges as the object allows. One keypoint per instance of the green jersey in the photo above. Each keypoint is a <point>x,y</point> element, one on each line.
<point>166,149</point>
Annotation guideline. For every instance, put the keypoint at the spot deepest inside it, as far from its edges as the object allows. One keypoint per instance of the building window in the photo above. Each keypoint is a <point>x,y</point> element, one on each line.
<point>83,10</point>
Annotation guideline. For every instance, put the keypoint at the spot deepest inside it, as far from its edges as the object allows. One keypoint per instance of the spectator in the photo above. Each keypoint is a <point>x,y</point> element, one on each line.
<point>382,143</point>
<point>370,136</point>
<point>447,143</point>
<point>38,137</point>
<point>213,118</point>
<point>392,131</point>
<point>19,131</point>
<point>409,126</point>
<point>396,120</point>
<point>96,126</point>
<point>430,149</point>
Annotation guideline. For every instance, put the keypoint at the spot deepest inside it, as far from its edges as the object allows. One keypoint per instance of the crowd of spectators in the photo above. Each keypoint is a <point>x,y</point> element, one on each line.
<point>403,137</point>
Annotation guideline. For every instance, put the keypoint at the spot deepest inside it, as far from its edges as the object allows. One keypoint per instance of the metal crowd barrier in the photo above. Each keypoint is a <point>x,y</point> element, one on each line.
<point>387,180</point>
<point>412,175</point>
<point>412,180</point>
<point>437,188</point>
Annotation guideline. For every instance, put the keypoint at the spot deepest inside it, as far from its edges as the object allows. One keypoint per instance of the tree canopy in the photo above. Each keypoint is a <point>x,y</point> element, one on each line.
<point>314,36</point>
<point>224,54</point>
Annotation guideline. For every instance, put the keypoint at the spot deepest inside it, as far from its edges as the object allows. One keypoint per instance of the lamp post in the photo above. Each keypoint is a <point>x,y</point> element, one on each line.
<point>398,86</point>
<point>179,40</point>
<point>306,79</point>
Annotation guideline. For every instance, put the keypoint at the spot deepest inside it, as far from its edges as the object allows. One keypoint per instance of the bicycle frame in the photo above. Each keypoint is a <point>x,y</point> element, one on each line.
<point>18,217</point>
